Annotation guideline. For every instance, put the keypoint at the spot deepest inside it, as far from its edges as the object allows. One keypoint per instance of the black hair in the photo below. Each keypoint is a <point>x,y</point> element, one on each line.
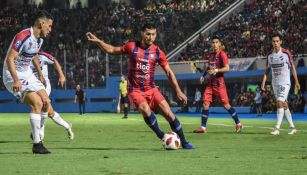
<point>148,26</point>
<point>215,37</point>
<point>42,14</point>
<point>277,35</point>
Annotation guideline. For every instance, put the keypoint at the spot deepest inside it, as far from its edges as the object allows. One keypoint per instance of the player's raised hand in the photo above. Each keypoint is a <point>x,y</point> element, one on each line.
<point>16,86</point>
<point>183,98</point>
<point>92,37</point>
<point>62,80</point>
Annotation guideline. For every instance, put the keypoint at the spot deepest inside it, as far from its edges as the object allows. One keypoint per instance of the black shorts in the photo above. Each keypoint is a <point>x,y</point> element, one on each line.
<point>124,100</point>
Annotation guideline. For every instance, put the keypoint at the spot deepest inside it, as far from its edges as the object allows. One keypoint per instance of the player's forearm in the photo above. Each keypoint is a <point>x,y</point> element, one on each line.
<point>12,68</point>
<point>35,62</point>
<point>106,47</point>
<point>294,74</point>
<point>58,69</point>
<point>223,69</point>
<point>172,79</point>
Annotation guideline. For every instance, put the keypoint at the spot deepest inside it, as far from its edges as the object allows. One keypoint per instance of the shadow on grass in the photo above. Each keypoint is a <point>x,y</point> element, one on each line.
<point>106,149</point>
<point>14,141</point>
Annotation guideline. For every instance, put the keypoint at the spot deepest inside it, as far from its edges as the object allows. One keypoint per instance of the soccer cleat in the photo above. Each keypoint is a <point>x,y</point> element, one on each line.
<point>39,148</point>
<point>275,132</point>
<point>125,117</point>
<point>187,146</point>
<point>292,131</point>
<point>70,133</point>
<point>200,130</point>
<point>239,128</point>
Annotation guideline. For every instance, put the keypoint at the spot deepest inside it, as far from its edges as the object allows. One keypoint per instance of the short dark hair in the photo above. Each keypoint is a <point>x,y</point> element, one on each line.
<point>277,35</point>
<point>42,14</point>
<point>215,37</point>
<point>148,26</point>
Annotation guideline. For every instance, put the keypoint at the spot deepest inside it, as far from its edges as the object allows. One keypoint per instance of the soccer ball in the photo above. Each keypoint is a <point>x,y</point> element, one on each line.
<point>171,141</point>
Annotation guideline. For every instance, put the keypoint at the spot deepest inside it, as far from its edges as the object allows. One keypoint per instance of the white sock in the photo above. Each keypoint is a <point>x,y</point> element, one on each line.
<point>58,120</point>
<point>35,120</point>
<point>289,118</point>
<point>44,116</point>
<point>280,115</point>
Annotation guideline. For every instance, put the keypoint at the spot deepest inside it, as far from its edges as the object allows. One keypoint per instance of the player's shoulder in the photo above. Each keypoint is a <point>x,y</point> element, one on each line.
<point>24,34</point>
<point>285,51</point>
<point>270,53</point>
<point>47,55</point>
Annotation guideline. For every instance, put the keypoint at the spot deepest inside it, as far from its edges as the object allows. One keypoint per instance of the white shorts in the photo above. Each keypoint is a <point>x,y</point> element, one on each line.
<point>29,83</point>
<point>281,92</point>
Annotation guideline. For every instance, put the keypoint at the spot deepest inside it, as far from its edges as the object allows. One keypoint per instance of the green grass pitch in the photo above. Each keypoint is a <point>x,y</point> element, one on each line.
<point>107,144</point>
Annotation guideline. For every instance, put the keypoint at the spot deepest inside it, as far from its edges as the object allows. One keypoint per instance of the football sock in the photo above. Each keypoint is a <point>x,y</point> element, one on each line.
<point>58,120</point>
<point>204,117</point>
<point>44,116</point>
<point>177,128</point>
<point>234,115</point>
<point>35,121</point>
<point>151,121</point>
<point>289,118</point>
<point>125,111</point>
<point>280,114</point>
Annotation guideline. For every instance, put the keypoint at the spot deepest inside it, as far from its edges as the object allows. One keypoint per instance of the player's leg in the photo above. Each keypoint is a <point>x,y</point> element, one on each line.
<point>44,114</point>
<point>125,110</point>
<point>59,120</point>
<point>287,111</point>
<point>80,108</point>
<point>36,104</point>
<point>207,100</point>
<point>164,109</point>
<point>289,119</point>
<point>221,93</point>
<point>279,92</point>
<point>149,117</point>
<point>83,104</point>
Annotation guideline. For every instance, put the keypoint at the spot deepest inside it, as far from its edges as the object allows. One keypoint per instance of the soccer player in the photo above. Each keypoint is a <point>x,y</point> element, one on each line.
<point>280,61</point>
<point>40,63</point>
<point>143,56</point>
<point>124,95</point>
<point>80,98</point>
<point>19,79</point>
<point>216,87</point>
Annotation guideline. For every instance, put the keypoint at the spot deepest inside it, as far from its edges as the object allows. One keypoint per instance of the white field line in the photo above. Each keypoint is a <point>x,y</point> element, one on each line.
<point>218,124</point>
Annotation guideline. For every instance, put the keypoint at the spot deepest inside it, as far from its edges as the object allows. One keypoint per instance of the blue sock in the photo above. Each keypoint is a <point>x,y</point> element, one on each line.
<point>234,115</point>
<point>177,128</point>
<point>204,117</point>
<point>151,121</point>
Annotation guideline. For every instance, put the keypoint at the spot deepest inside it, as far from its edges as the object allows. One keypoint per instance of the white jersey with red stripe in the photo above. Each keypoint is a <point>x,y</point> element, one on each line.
<point>44,59</point>
<point>28,46</point>
<point>280,63</point>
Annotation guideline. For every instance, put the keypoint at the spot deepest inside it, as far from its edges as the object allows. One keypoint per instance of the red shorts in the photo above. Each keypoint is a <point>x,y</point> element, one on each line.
<point>217,89</point>
<point>153,97</point>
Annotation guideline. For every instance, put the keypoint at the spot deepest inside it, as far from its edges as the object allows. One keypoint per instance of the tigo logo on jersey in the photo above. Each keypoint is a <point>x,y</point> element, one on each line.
<point>144,67</point>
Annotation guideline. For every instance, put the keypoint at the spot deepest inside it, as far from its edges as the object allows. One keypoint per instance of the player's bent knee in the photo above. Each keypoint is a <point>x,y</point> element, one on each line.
<point>37,105</point>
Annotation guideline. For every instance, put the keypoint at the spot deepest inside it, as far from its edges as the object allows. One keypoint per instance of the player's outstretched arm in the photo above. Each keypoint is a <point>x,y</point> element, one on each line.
<point>265,76</point>
<point>103,46</point>
<point>297,83</point>
<point>35,62</point>
<point>59,70</point>
<point>171,77</point>
<point>12,69</point>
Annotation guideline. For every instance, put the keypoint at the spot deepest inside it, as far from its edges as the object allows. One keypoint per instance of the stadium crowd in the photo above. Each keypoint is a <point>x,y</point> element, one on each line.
<point>116,23</point>
<point>247,34</point>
